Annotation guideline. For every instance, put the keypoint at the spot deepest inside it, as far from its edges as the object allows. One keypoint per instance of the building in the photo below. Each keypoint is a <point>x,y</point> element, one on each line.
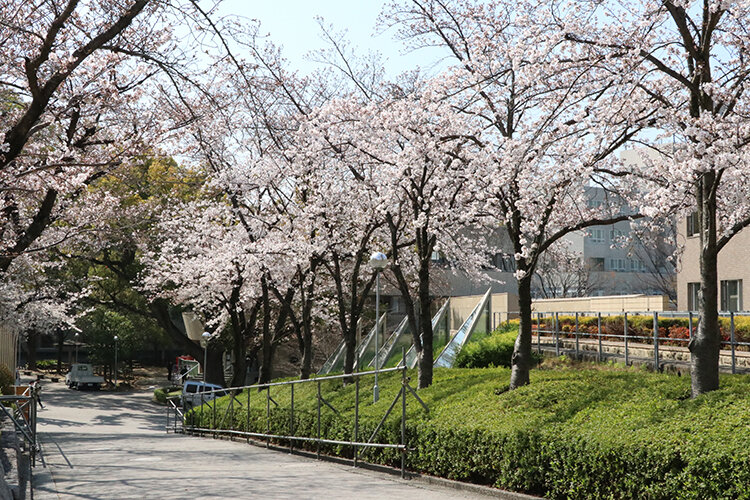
<point>610,261</point>
<point>733,269</point>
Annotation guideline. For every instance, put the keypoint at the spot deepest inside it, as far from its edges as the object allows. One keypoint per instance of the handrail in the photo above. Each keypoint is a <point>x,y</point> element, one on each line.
<point>356,442</point>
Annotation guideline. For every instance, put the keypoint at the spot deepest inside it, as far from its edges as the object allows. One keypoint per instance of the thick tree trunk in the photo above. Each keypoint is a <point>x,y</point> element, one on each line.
<point>425,325</point>
<point>265,373</point>
<point>521,360</point>
<point>31,344</point>
<point>215,369</point>
<point>705,345</point>
<point>307,352</point>
<point>239,365</point>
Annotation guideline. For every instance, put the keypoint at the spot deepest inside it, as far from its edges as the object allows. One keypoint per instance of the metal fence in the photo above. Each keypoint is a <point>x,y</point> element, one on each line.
<point>178,411</point>
<point>548,324</point>
<point>22,411</point>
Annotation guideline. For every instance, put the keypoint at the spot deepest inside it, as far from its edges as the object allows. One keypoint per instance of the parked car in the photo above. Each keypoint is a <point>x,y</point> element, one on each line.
<point>195,392</point>
<point>81,375</point>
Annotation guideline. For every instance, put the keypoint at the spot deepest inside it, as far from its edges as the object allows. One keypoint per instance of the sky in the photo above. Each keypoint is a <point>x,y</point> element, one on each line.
<point>292,24</point>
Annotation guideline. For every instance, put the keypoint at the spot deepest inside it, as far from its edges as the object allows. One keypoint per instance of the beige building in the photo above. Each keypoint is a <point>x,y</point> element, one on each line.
<point>733,269</point>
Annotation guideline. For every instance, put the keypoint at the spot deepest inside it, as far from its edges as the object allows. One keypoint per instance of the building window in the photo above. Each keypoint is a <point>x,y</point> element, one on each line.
<point>615,234</point>
<point>731,295</point>
<point>693,296</point>
<point>597,235</point>
<point>618,264</point>
<point>596,263</point>
<point>693,224</point>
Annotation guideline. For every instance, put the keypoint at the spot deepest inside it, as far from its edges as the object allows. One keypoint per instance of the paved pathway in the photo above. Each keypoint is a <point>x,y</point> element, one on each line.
<point>113,446</point>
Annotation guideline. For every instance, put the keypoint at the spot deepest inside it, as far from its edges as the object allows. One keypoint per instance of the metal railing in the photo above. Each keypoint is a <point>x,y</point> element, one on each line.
<point>22,411</point>
<point>549,324</point>
<point>218,421</point>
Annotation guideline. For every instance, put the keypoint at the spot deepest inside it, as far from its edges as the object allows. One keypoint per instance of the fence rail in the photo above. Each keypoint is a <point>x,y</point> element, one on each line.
<point>549,325</point>
<point>179,413</point>
<point>22,411</point>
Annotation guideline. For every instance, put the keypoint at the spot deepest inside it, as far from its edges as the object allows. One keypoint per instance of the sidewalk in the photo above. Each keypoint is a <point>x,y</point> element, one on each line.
<point>113,446</point>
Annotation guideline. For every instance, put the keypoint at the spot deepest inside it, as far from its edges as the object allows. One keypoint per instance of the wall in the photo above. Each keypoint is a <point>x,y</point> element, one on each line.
<point>611,303</point>
<point>734,264</point>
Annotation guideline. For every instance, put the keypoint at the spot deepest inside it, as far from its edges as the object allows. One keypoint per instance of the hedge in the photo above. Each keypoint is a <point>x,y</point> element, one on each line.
<point>596,432</point>
<point>496,349</point>
<point>161,394</point>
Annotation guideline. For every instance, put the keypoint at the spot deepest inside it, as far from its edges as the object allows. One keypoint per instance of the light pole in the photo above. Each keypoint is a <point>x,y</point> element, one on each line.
<point>116,339</point>
<point>378,261</point>
<point>76,341</point>
<point>206,336</point>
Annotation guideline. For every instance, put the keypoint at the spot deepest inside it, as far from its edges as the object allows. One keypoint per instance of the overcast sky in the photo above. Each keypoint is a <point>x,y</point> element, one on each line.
<point>292,24</point>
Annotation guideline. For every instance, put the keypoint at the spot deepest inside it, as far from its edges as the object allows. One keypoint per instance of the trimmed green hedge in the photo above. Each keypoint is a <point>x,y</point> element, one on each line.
<point>161,394</point>
<point>594,432</point>
<point>494,350</point>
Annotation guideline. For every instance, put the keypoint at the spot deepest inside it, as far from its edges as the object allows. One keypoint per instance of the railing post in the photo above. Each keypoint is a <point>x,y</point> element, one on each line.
<point>731,341</point>
<point>291,420</point>
<point>203,404</point>
<point>539,333</point>
<point>403,422</point>
<point>318,442</point>
<point>557,335</point>
<point>599,333</point>
<point>247,419</point>
<point>356,417</point>
<point>578,353</point>
<point>213,393</point>
<point>625,323</point>
<point>656,341</point>
<point>268,415</point>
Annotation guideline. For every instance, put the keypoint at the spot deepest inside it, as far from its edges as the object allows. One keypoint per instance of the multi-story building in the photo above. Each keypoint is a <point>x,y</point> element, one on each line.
<point>733,269</point>
<point>614,262</point>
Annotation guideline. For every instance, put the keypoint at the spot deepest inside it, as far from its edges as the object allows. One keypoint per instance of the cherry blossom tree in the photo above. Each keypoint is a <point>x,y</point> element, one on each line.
<point>691,58</point>
<point>543,121</point>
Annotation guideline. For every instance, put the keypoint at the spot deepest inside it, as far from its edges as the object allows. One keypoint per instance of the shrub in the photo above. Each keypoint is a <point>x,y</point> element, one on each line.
<point>598,432</point>
<point>7,380</point>
<point>493,350</point>
<point>161,394</point>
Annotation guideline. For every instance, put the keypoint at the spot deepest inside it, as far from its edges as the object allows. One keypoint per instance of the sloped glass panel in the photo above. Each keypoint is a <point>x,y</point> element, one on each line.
<point>439,324</point>
<point>448,356</point>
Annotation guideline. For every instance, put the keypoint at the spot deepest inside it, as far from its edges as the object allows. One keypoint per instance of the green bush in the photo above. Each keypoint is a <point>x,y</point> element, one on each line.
<point>493,350</point>
<point>161,394</point>
<point>596,432</point>
<point>7,380</point>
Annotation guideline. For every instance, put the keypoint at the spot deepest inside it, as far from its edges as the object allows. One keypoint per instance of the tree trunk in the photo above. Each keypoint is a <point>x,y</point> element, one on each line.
<point>215,369</point>
<point>265,374</point>
<point>31,343</point>
<point>307,351</point>
<point>704,346</point>
<point>521,360</point>
<point>425,325</point>
<point>60,345</point>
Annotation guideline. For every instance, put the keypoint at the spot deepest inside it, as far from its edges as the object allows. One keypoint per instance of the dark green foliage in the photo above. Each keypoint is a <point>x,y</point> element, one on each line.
<point>7,380</point>
<point>593,432</point>
<point>161,394</point>
<point>495,349</point>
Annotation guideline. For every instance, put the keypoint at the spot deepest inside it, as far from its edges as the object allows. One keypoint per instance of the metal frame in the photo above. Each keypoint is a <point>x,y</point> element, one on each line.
<point>356,443</point>
<point>627,338</point>
<point>25,425</point>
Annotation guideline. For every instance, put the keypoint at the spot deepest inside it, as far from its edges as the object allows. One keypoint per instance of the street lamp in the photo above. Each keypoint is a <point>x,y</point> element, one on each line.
<point>116,339</point>
<point>206,336</point>
<point>76,342</point>
<point>378,261</point>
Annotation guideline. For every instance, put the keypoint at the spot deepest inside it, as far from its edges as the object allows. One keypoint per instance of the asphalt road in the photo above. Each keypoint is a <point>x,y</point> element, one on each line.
<point>99,445</point>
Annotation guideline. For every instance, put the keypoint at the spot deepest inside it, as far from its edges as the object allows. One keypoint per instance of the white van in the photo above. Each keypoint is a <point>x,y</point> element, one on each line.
<point>194,392</point>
